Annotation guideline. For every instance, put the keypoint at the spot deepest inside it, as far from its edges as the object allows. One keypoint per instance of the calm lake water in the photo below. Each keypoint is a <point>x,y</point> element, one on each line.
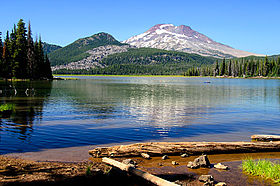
<point>105,110</point>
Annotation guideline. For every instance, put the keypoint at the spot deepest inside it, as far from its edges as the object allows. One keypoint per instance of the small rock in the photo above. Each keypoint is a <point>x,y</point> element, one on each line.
<point>174,163</point>
<point>190,165</point>
<point>221,166</point>
<point>201,161</point>
<point>164,157</point>
<point>129,162</point>
<point>206,178</point>
<point>221,184</point>
<point>145,155</point>
<point>184,155</point>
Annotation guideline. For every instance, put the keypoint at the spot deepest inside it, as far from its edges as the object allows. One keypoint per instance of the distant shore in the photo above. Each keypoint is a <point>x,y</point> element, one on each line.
<point>100,75</point>
<point>229,77</point>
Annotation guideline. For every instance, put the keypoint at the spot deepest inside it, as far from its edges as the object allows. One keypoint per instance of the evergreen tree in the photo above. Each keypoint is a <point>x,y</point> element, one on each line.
<point>1,53</point>
<point>216,69</point>
<point>21,58</point>
<point>1,47</point>
<point>230,68</point>
<point>20,53</point>
<point>223,67</point>
<point>30,54</point>
<point>6,58</point>
<point>265,66</point>
<point>47,68</point>
<point>40,60</point>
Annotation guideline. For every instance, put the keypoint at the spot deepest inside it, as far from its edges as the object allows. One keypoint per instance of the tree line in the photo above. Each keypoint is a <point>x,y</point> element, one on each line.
<point>21,57</point>
<point>145,61</point>
<point>242,67</point>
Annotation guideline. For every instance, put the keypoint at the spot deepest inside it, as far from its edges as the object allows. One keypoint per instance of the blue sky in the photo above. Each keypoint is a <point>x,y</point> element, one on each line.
<point>250,25</point>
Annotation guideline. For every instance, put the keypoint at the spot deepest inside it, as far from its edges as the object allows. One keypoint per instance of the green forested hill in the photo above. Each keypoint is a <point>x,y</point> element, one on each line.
<point>48,48</point>
<point>77,50</point>
<point>147,61</point>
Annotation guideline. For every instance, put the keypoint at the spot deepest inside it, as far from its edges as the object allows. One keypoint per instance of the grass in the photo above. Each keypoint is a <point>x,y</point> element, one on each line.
<point>7,107</point>
<point>263,168</point>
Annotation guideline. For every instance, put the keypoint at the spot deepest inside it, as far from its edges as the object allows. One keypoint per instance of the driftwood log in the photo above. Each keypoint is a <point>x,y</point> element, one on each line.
<point>265,138</point>
<point>147,176</point>
<point>177,148</point>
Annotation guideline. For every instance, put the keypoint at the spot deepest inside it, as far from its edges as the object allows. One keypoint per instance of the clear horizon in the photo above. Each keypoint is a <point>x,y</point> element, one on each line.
<point>250,26</point>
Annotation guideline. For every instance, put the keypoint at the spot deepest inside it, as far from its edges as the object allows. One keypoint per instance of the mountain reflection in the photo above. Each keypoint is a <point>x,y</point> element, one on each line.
<point>105,110</point>
<point>27,107</point>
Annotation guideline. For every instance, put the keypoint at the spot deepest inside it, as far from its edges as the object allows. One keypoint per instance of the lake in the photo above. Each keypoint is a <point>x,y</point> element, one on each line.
<point>96,110</point>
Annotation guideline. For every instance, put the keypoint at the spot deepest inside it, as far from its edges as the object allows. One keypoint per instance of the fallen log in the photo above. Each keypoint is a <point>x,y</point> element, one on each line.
<point>265,138</point>
<point>178,148</point>
<point>147,176</point>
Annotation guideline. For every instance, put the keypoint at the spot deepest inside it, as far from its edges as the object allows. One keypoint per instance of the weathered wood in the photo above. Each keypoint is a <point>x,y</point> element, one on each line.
<point>147,176</point>
<point>177,148</point>
<point>265,138</point>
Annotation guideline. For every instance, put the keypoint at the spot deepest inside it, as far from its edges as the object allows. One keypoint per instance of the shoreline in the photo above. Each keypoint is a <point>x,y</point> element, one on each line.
<point>21,171</point>
<point>107,75</point>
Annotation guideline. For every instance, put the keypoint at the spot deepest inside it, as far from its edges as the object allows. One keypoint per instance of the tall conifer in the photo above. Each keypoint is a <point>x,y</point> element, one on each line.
<point>223,67</point>
<point>20,68</point>
<point>47,69</point>
<point>1,46</point>
<point>1,51</point>
<point>30,53</point>
<point>216,69</point>
<point>230,68</point>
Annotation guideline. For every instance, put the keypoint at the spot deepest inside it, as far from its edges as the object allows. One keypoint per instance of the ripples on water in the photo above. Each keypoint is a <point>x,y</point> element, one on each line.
<point>103,110</point>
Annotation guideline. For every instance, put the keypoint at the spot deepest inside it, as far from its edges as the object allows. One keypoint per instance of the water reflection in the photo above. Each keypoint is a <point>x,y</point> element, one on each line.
<point>113,110</point>
<point>27,107</point>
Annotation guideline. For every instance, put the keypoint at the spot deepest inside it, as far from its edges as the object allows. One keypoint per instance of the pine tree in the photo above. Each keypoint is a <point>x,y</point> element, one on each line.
<point>1,47</point>
<point>30,54</point>
<point>41,59</point>
<point>1,53</point>
<point>278,67</point>
<point>6,58</point>
<point>48,70</point>
<point>20,53</point>
<point>265,66</point>
<point>230,68</point>
<point>216,69</point>
<point>223,67</point>
<point>21,58</point>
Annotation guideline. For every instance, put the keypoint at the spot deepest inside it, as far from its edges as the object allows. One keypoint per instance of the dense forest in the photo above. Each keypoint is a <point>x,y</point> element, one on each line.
<point>241,67</point>
<point>21,57</point>
<point>146,61</point>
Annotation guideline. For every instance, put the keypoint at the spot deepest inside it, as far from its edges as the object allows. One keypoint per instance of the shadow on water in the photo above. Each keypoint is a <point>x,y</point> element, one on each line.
<point>26,107</point>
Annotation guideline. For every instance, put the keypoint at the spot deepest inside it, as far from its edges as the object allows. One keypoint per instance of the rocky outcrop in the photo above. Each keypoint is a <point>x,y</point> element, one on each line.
<point>96,55</point>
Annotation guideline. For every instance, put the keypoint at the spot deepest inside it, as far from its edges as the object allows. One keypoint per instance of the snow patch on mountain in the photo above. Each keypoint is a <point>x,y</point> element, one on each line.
<point>183,38</point>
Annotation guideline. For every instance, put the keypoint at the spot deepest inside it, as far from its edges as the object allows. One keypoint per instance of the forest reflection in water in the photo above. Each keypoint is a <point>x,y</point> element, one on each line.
<point>101,110</point>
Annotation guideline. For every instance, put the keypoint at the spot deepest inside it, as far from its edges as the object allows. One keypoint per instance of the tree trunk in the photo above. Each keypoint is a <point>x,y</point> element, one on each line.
<point>147,176</point>
<point>177,148</point>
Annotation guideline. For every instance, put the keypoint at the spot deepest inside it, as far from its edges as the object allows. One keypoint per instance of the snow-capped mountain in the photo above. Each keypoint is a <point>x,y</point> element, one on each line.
<point>183,38</point>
